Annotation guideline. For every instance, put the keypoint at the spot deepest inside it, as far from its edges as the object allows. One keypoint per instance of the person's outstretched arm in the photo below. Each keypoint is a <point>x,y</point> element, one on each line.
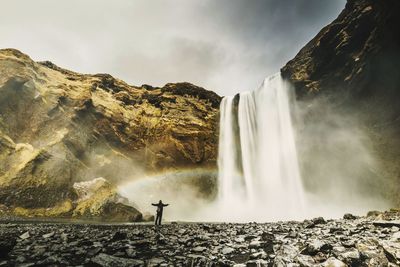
<point>165,205</point>
<point>154,204</point>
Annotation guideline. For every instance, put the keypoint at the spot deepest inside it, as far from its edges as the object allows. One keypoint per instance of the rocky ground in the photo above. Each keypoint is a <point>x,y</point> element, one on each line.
<point>352,241</point>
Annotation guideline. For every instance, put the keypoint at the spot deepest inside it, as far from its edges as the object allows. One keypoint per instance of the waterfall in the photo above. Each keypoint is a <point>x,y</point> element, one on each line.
<point>259,177</point>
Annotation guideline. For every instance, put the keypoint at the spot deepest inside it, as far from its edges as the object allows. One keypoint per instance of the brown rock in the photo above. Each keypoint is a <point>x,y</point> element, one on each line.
<point>58,127</point>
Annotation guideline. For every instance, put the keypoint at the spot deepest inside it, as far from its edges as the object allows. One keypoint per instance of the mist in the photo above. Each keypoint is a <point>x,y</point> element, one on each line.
<point>226,46</point>
<point>189,193</point>
<point>340,171</point>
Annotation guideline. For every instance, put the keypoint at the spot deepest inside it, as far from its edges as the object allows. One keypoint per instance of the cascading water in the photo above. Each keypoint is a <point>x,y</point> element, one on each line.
<point>259,177</point>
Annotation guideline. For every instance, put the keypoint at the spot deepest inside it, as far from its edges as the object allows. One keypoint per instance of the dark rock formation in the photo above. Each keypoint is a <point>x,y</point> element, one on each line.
<point>352,68</point>
<point>357,53</point>
<point>58,127</point>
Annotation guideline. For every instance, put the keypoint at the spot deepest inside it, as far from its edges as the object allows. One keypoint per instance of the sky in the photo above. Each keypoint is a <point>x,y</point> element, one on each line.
<point>226,46</point>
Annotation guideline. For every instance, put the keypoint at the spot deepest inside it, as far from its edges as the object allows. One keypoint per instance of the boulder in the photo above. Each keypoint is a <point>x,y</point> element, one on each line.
<point>349,216</point>
<point>351,257</point>
<point>98,199</point>
<point>316,246</point>
<point>333,262</point>
<point>106,260</point>
<point>7,243</point>
<point>384,223</point>
<point>373,213</point>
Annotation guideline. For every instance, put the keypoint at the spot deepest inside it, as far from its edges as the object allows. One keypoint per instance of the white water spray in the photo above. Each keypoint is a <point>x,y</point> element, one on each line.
<point>259,177</point>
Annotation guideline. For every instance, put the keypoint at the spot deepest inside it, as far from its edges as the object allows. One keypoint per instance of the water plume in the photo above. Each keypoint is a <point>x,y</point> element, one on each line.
<point>283,160</point>
<point>259,177</point>
<point>278,159</point>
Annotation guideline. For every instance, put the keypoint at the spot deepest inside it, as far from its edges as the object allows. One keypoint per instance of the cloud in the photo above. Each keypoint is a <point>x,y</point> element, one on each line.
<point>225,45</point>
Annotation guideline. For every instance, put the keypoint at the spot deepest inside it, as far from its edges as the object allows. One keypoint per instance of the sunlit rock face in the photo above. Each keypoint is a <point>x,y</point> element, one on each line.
<point>359,51</point>
<point>348,76</point>
<point>58,127</point>
<point>98,199</point>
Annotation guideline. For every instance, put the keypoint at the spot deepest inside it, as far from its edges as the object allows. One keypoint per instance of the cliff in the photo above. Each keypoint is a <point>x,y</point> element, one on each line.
<point>61,131</point>
<point>351,68</point>
<point>59,128</point>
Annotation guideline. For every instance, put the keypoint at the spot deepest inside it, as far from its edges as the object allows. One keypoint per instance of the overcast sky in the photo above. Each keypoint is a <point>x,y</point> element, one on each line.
<point>223,45</point>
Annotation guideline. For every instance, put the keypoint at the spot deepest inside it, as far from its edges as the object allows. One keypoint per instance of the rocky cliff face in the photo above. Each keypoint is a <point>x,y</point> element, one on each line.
<point>352,67</point>
<point>58,127</point>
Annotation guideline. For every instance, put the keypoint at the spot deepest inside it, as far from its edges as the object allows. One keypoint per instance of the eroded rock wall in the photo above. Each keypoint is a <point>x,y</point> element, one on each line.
<point>58,127</point>
<point>351,70</point>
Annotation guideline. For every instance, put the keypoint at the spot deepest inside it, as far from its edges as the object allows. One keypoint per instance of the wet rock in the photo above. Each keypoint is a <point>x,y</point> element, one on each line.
<point>288,251</point>
<point>269,237</point>
<point>64,237</point>
<point>372,254</point>
<point>239,240</point>
<point>383,223</point>
<point>250,237</point>
<point>305,260</point>
<point>349,216</point>
<point>155,262</point>
<point>348,243</point>
<point>199,249</point>
<point>392,251</point>
<point>337,250</point>
<point>195,260</point>
<point>48,235</point>
<point>140,243</point>
<point>316,221</point>
<point>106,260</point>
<point>227,250</point>
<point>131,253</point>
<point>320,257</point>
<point>333,262</point>
<point>395,236</point>
<point>351,257</point>
<point>52,260</point>
<point>292,234</point>
<point>316,246</point>
<point>26,264</point>
<point>39,250</point>
<point>256,263</point>
<point>119,236</point>
<point>24,235</point>
<point>258,255</point>
<point>255,244</point>
<point>279,261</point>
<point>7,244</point>
<point>94,251</point>
<point>373,213</point>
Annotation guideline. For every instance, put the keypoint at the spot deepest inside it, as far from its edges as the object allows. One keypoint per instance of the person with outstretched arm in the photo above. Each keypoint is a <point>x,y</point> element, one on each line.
<point>160,207</point>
